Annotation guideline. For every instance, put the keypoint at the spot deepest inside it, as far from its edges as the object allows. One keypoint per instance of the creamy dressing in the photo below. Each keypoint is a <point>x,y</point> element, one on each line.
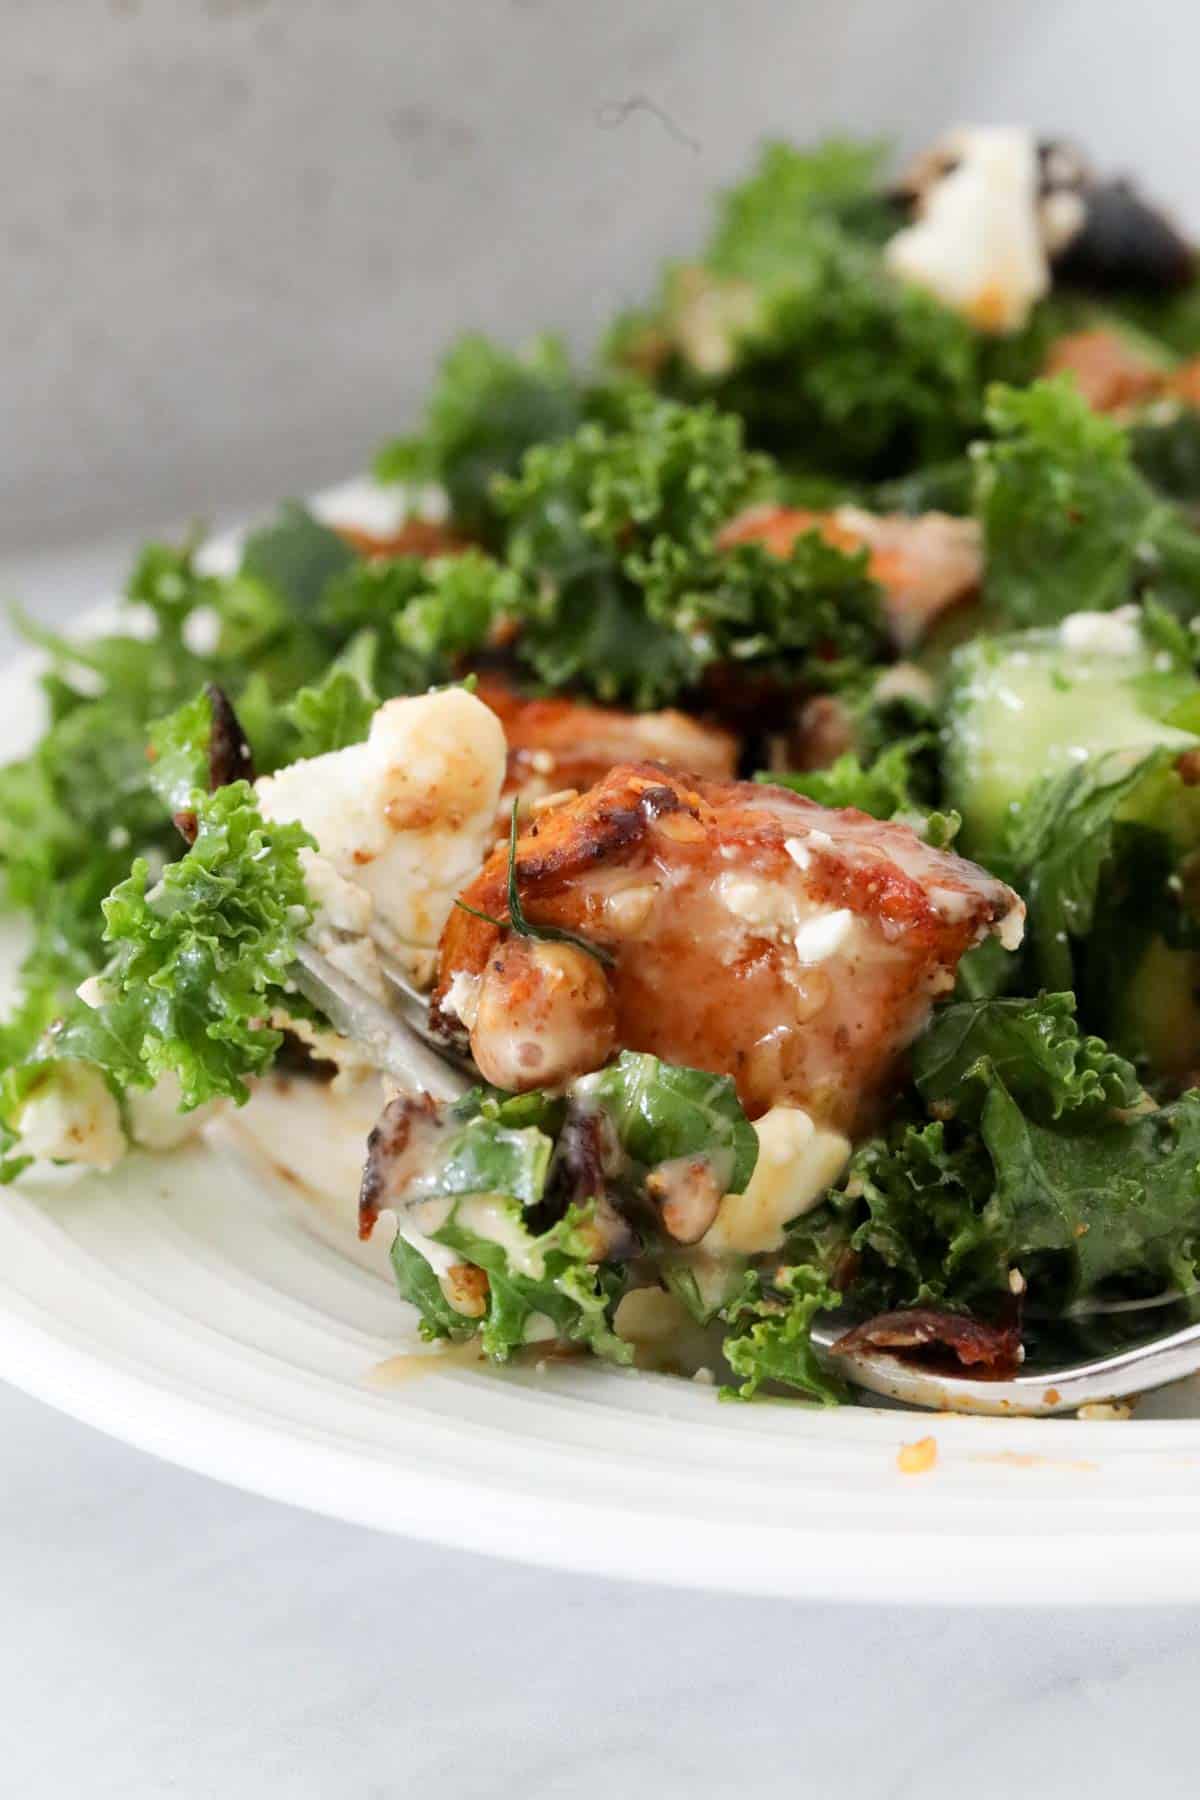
<point>440,1257</point>
<point>498,1219</point>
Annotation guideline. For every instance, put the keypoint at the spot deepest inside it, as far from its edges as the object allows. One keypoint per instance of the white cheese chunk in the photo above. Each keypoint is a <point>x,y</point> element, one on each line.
<point>977,244</point>
<point>72,1117</point>
<point>461,998</point>
<point>823,935</point>
<point>402,821</point>
<point>1103,633</point>
<point>797,1161</point>
<point>155,1121</point>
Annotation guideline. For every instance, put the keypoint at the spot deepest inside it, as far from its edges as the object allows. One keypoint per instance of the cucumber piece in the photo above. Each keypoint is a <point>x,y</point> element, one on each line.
<point>1029,704</point>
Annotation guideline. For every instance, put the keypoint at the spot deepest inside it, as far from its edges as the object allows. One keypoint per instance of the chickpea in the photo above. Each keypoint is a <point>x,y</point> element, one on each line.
<point>546,1014</point>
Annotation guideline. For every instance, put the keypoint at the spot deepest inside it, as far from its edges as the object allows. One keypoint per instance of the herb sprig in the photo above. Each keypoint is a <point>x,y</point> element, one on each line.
<point>524,927</point>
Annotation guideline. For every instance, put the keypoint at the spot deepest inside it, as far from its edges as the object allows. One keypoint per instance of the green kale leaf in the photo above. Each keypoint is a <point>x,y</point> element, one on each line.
<point>197,959</point>
<point>614,535</point>
<point>1064,511</point>
<point>1042,1155</point>
<point>883,786</point>
<point>793,322</point>
<point>489,1164</point>
<point>488,408</point>
<point>771,1339</point>
<point>518,1203</point>
<point>1115,1201</point>
<point>765,224</point>
<point>337,710</point>
<point>1070,523</point>
<point>1035,1050</point>
<point>554,1278</point>
<point>661,1111</point>
<point>297,558</point>
<point>1062,847</point>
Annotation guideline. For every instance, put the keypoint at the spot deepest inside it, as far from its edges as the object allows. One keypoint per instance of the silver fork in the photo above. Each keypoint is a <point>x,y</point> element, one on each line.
<point>398,1039</point>
<point>1040,1389</point>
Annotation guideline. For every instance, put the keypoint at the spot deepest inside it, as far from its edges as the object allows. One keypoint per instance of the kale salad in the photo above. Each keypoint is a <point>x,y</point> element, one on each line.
<point>772,749</point>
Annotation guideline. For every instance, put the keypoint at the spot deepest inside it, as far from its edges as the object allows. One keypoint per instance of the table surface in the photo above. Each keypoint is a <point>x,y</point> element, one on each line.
<point>167,1636</point>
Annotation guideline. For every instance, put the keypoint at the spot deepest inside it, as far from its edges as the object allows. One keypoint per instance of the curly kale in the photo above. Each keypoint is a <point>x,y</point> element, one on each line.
<point>1027,1146</point>
<point>615,534</point>
<point>792,321</point>
<point>488,407</point>
<point>1070,523</point>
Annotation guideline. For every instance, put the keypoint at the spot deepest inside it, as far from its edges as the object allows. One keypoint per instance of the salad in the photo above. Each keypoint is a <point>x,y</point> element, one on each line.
<point>775,751</point>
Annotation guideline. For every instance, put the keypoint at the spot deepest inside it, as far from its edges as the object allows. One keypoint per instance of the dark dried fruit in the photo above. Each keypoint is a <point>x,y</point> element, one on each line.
<point>1124,243</point>
<point>986,1349</point>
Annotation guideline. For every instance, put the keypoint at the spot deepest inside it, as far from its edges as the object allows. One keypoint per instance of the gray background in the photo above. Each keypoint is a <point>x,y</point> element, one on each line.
<point>236,232</point>
<point>233,237</point>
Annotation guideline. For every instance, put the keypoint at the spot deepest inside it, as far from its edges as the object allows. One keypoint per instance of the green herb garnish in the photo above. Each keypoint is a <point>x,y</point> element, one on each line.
<point>517,921</point>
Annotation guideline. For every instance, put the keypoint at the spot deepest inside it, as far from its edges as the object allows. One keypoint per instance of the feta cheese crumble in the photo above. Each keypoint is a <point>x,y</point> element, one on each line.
<point>402,821</point>
<point>797,1161</point>
<point>1103,633</point>
<point>977,244</point>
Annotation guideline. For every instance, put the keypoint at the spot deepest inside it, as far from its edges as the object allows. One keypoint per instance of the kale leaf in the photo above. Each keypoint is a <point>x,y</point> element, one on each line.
<point>661,1111</point>
<point>491,1177</point>
<point>514,1204</point>
<point>197,957</point>
<point>1036,1051</point>
<point>1063,845</point>
<point>793,322</point>
<point>1064,511</point>
<point>765,224</point>
<point>488,408</point>
<point>1042,1154</point>
<point>336,711</point>
<point>296,557</point>
<point>614,535</point>
<point>883,786</point>
<point>771,1339</point>
<point>1070,523</point>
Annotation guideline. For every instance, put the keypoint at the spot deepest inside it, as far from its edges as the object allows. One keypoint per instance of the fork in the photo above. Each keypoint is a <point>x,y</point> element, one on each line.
<point>1042,1388</point>
<point>398,1040</point>
<point>396,1036</point>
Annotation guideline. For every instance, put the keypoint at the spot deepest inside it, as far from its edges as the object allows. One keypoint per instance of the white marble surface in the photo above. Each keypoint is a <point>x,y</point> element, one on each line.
<point>166,1636</point>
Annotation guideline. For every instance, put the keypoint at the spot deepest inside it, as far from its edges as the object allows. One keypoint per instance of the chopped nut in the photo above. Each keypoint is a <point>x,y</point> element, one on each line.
<point>466,1288</point>
<point>688,1195</point>
<point>680,827</point>
<point>547,801</point>
<point>628,909</point>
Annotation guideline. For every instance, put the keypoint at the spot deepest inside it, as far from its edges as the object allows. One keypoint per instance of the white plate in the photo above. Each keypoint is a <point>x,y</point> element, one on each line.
<point>189,1306</point>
